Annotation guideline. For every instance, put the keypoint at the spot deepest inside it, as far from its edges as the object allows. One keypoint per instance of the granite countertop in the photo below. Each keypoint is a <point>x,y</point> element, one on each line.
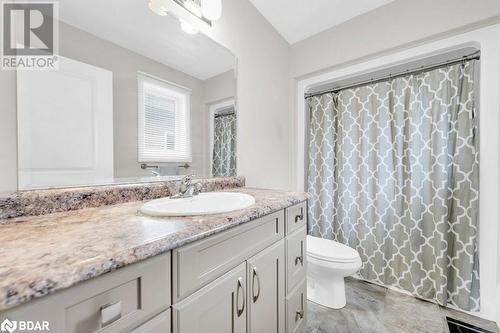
<point>46,253</point>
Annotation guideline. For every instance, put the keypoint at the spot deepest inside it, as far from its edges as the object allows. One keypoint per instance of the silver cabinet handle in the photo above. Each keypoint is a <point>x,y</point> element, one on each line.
<point>300,259</point>
<point>240,286</point>
<point>255,275</point>
<point>300,314</point>
<point>299,217</point>
<point>110,313</point>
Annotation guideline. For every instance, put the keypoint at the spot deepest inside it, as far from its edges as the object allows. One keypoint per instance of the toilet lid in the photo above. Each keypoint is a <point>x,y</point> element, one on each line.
<point>328,250</point>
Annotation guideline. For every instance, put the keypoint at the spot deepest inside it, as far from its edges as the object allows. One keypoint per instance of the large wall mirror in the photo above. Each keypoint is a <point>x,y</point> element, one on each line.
<point>136,97</point>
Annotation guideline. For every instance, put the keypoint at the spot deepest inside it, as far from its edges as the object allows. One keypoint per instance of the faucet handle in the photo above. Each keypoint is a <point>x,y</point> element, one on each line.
<point>186,180</point>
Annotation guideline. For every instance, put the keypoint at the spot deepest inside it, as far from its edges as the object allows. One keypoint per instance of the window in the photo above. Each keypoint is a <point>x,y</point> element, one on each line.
<point>163,132</point>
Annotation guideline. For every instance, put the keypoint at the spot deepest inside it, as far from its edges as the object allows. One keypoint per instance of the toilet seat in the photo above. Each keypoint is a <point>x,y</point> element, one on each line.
<point>330,251</point>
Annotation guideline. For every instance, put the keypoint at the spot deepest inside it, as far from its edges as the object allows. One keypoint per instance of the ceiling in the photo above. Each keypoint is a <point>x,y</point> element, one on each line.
<point>132,25</point>
<point>298,19</point>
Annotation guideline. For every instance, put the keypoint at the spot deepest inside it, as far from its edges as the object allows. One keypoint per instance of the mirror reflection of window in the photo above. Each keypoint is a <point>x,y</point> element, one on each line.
<point>224,142</point>
<point>163,121</point>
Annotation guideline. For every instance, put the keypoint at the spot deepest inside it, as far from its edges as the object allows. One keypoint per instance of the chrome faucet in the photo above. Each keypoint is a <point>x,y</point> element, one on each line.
<point>188,189</point>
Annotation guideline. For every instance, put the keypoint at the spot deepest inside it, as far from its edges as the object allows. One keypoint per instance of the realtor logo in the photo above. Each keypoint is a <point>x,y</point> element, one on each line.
<point>8,326</point>
<point>30,35</point>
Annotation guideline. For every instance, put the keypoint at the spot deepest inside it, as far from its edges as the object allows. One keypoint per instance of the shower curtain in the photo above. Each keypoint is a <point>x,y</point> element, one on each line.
<point>224,150</point>
<point>394,173</point>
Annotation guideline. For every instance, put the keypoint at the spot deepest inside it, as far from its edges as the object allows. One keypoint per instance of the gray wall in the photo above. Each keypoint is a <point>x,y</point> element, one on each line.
<point>393,26</point>
<point>220,87</point>
<point>263,90</point>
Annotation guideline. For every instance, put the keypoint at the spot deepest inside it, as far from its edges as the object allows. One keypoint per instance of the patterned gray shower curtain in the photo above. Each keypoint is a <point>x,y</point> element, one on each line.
<point>394,173</point>
<point>224,150</point>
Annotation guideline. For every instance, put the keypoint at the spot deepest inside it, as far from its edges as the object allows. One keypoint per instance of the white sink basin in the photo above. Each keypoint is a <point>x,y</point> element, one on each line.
<point>201,204</point>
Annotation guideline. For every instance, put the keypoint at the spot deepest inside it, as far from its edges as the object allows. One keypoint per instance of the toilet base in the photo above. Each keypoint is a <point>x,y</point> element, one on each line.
<point>329,292</point>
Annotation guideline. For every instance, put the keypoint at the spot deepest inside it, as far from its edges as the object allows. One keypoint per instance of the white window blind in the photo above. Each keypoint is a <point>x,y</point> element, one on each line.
<point>164,114</point>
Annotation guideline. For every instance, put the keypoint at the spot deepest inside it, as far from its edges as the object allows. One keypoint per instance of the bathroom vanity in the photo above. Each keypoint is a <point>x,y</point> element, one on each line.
<point>113,269</point>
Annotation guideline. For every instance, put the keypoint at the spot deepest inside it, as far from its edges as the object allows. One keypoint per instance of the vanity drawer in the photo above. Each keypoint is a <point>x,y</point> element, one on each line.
<point>296,308</point>
<point>296,217</point>
<point>159,324</point>
<point>113,302</point>
<point>197,264</point>
<point>100,311</point>
<point>295,258</point>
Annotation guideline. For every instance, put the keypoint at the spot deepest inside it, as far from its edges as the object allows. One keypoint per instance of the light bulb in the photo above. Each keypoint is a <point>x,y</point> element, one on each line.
<point>211,9</point>
<point>188,28</point>
<point>156,8</point>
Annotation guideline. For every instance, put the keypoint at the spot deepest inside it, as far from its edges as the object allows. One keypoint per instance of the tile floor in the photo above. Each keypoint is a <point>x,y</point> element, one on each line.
<point>371,308</point>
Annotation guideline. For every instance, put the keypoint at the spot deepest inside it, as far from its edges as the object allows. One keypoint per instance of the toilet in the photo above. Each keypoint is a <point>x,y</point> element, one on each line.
<point>329,262</point>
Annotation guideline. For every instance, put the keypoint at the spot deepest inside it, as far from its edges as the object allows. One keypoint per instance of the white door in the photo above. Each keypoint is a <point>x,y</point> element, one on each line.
<point>65,125</point>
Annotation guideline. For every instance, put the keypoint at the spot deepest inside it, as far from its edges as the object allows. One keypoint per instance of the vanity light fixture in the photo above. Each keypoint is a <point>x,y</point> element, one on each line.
<point>193,7</point>
<point>188,12</point>
<point>188,28</point>
<point>157,8</point>
<point>211,9</point>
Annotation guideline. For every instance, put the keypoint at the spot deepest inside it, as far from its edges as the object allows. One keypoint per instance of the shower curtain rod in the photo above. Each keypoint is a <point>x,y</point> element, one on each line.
<point>474,56</point>
<point>217,115</point>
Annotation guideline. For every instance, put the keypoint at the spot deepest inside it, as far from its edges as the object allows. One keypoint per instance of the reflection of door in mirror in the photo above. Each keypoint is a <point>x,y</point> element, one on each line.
<point>65,125</point>
<point>223,139</point>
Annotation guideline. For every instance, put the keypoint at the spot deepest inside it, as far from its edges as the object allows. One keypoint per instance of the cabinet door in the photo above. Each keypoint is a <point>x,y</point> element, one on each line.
<point>219,307</point>
<point>266,290</point>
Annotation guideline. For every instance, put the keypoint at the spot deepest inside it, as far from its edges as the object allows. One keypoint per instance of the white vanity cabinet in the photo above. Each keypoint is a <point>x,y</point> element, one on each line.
<point>266,289</point>
<point>199,263</point>
<point>249,298</point>
<point>247,279</point>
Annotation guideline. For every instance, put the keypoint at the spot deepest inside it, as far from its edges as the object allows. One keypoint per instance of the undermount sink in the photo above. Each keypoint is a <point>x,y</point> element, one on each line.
<point>201,204</point>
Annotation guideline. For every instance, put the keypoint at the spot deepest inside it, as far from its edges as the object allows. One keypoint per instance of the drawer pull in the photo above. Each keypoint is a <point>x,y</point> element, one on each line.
<point>255,275</point>
<point>110,313</point>
<point>300,314</point>
<point>299,217</point>
<point>240,286</point>
<point>300,259</point>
